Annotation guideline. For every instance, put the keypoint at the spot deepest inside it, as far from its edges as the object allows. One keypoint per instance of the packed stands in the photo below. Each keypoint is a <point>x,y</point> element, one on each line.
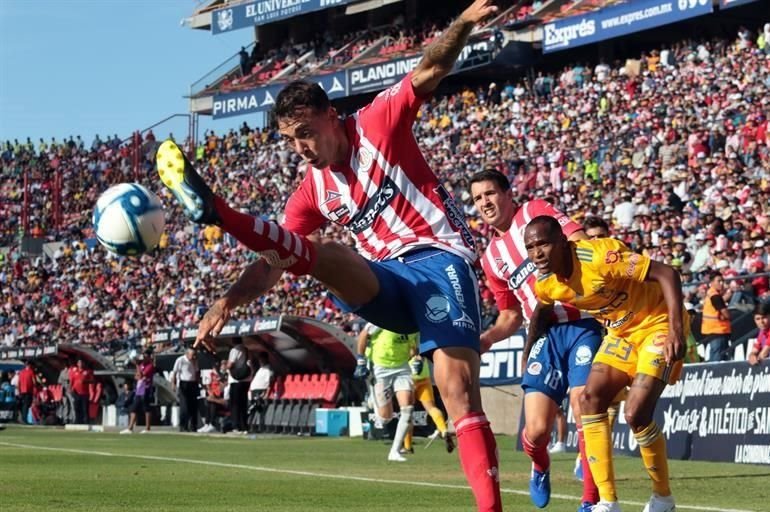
<point>674,152</point>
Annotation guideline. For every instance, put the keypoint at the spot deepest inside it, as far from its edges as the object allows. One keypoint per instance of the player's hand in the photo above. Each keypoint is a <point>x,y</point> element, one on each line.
<point>674,347</point>
<point>478,10</point>
<point>485,343</point>
<point>362,368</point>
<point>416,365</point>
<point>211,324</point>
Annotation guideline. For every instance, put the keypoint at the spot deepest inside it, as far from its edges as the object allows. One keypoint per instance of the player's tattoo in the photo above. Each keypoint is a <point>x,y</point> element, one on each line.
<point>446,48</point>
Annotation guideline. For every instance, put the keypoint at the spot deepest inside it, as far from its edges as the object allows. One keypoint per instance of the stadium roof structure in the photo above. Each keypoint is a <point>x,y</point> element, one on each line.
<point>294,344</point>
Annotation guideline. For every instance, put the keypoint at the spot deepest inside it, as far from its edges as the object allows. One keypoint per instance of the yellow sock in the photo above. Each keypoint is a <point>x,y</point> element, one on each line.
<point>598,437</point>
<point>438,419</point>
<point>652,447</point>
<point>408,438</point>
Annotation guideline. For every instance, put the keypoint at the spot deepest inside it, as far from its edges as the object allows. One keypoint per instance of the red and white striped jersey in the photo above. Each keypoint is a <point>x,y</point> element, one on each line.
<point>386,195</point>
<point>510,273</point>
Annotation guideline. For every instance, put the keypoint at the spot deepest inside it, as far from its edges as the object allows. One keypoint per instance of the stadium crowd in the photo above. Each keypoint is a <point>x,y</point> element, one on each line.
<point>672,150</point>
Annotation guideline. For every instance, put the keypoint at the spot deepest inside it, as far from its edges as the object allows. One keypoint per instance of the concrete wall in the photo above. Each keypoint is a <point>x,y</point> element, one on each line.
<point>502,406</point>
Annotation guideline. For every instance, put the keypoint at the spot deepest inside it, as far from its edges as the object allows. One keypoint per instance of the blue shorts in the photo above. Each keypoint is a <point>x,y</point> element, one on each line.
<point>430,291</point>
<point>562,358</point>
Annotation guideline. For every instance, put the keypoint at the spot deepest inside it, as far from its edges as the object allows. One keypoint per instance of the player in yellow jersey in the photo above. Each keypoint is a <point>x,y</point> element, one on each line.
<point>423,392</point>
<point>390,353</point>
<point>640,303</point>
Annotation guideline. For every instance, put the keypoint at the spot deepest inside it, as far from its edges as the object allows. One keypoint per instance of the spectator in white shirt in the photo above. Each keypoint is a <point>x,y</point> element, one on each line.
<point>262,380</point>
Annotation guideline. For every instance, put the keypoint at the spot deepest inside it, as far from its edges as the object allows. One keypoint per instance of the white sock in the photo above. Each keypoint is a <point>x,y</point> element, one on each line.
<point>404,419</point>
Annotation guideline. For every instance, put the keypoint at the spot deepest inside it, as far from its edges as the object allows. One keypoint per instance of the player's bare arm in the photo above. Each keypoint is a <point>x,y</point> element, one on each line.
<point>538,325</point>
<point>256,279</point>
<point>671,286</point>
<point>441,54</point>
<point>508,322</point>
<point>362,341</point>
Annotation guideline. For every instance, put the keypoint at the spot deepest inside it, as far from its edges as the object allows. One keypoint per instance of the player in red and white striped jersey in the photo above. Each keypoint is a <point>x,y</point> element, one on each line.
<point>561,341</point>
<point>414,269</point>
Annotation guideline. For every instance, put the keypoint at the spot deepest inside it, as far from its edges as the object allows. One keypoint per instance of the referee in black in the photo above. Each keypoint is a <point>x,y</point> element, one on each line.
<point>184,380</point>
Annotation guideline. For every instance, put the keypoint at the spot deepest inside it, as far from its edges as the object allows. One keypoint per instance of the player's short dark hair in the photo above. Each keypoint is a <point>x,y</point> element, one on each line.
<point>491,175</point>
<point>595,222</point>
<point>551,224</point>
<point>713,275</point>
<point>300,94</point>
<point>762,309</point>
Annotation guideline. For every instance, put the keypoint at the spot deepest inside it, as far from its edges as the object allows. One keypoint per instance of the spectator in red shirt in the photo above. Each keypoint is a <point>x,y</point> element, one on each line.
<point>761,349</point>
<point>80,378</point>
<point>26,389</point>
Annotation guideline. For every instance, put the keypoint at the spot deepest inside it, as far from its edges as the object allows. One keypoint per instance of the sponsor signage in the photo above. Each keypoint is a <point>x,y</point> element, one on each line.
<point>618,21</point>
<point>263,98</point>
<point>501,365</point>
<point>261,12</point>
<point>716,412</point>
<point>236,328</point>
<point>364,79</point>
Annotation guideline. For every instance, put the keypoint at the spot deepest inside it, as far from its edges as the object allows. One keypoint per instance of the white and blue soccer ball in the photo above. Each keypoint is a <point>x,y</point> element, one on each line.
<point>128,219</point>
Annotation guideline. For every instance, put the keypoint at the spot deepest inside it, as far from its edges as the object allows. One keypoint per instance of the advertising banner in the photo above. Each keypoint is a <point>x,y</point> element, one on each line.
<point>618,21</point>
<point>717,412</point>
<point>261,12</point>
<point>376,77</point>
<point>501,365</point>
<point>263,98</point>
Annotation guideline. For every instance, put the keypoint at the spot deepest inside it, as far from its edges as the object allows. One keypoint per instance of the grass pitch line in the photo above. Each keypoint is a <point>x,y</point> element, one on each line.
<point>331,476</point>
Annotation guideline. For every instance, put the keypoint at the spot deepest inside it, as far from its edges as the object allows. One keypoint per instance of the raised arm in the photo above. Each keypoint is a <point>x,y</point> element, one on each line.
<point>441,54</point>
<point>256,279</point>
<point>671,286</point>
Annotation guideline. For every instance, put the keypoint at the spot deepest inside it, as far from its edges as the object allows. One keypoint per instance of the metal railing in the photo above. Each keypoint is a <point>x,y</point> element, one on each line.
<point>219,73</point>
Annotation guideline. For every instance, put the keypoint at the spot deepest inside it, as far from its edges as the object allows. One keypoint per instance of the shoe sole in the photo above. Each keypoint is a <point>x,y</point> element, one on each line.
<point>171,164</point>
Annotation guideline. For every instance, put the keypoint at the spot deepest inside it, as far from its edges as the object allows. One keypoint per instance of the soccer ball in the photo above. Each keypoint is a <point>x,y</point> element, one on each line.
<point>128,219</point>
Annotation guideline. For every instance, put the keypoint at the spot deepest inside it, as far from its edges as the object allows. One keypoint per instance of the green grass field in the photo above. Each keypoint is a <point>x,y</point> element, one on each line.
<point>54,470</point>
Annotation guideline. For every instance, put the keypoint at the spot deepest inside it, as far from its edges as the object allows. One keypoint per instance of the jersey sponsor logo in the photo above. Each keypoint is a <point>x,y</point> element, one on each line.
<point>454,279</point>
<point>437,308</point>
<point>331,195</point>
<point>520,275</point>
<point>583,355</point>
<point>502,266</point>
<point>339,213</point>
<point>617,323</point>
<point>465,321</point>
<point>374,206</point>
<point>563,221</point>
<point>364,159</point>
<point>632,261</point>
<point>613,257</point>
<point>534,368</point>
<point>455,216</point>
<point>538,346</point>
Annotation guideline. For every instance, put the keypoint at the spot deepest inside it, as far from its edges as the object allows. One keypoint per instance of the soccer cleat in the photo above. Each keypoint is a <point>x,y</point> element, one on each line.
<point>540,488</point>
<point>435,435</point>
<point>405,451</point>
<point>449,442</point>
<point>578,471</point>
<point>126,431</point>
<point>659,503</point>
<point>606,506</point>
<point>558,447</point>
<point>586,506</point>
<point>396,457</point>
<point>179,176</point>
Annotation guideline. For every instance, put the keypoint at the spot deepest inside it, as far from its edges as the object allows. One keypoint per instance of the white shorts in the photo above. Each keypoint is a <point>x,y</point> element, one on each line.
<point>390,380</point>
